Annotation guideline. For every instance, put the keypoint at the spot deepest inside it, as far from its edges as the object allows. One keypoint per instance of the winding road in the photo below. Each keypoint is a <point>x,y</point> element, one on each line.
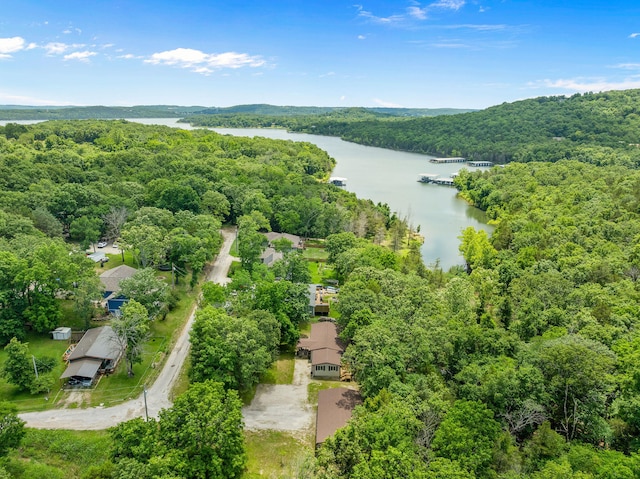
<point>95,418</point>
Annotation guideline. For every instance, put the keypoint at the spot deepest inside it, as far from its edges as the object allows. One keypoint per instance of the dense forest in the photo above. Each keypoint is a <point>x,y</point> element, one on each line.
<point>522,365</point>
<point>595,128</point>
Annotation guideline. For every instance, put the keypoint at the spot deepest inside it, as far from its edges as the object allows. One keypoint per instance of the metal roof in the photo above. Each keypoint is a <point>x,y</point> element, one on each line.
<point>98,343</point>
<point>335,407</point>
<point>84,368</point>
<point>112,277</point>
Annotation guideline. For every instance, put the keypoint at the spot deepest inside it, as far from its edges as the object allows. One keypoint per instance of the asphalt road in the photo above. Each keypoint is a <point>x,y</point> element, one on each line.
<point>157,395</point>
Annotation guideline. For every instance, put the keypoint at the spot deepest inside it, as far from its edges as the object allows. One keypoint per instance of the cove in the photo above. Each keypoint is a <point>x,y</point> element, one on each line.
<point>388,176</point>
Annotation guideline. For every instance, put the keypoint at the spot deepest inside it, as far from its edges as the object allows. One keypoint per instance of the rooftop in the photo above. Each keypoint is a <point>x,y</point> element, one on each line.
<point>335,407</point>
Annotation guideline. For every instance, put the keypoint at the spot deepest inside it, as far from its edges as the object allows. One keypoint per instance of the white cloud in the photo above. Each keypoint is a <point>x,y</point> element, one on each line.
<point>361,37</point>
<point>128,56</point>
<point>56,48</point>
<point>586,84</point>
<point>80,56</point>
<point>634,35</point>
<point>628,66</point>
<point>9,99</point>
<point>204,63</point>
<point>450,45</point>
<point>31,46</point>
<point>417,12</point>
<point>10,45</point>
<point>386,104</point>
<point>478,27</point>
<point>393,19</point>
<point>328,74</point>
<point>343,98</point>
<point>450,4</point>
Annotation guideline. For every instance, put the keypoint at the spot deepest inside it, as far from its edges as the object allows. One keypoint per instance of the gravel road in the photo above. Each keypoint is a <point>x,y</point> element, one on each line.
<point>157,395</point>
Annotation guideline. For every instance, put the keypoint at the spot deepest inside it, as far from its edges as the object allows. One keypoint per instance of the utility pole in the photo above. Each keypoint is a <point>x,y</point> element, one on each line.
<point>146,411</point>
<point>35,367</point>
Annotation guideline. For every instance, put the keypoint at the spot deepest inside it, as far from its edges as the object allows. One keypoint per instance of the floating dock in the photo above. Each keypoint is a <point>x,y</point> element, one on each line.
<point>480,163</point>
<point>338,181</point>
<point>434,178</point>
<point>448,160</point>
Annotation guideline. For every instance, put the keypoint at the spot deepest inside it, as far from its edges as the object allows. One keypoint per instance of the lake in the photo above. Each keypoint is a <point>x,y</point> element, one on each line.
<point>388,176</point>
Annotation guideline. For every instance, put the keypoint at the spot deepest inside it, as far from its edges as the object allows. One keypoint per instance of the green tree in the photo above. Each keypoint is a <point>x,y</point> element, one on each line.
<point>232,350</point>
<point>132,330</point>
<point>292,267</point>
<point>147,289</point>
<point>468,434</point>
<point>85,295</point>
<point>86,230</point>
<point>204,430</point>
<point>11,428</point>
<point>18,368</point>
<point>578,378</point>
<point>250,241</point>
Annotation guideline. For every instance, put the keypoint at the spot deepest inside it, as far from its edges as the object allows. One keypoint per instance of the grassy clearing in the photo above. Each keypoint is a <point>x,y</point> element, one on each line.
<point>58,454</point>
<point>315,386</point>
<point>275,454</point>
<point>281,371</point>
<point>315,254</point>
<point>321,272</point>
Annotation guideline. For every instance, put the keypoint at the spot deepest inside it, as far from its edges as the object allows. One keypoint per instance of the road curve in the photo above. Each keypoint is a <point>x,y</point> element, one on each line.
<point>95,418</point>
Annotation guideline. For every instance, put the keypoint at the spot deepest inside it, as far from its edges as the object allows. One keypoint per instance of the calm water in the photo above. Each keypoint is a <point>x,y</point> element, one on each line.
<point>388,176</point>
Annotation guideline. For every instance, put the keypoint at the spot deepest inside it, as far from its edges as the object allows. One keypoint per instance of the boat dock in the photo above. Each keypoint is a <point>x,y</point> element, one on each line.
<point>480,163</point>
<point>448,160</point>
<point>434,178</point>
<point>338,181</point>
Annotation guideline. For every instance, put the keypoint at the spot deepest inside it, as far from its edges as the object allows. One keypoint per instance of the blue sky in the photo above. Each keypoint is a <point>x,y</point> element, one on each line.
<point>443,53</point>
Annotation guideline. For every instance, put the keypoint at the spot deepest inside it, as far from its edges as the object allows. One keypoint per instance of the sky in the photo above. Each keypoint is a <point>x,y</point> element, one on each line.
<point>432,54</point>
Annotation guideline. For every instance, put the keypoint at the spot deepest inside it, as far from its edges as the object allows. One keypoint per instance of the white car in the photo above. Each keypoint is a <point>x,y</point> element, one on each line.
<point>102,244</point>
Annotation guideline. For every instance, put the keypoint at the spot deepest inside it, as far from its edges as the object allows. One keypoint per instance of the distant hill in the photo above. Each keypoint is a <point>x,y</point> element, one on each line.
<point>17,112</point>
<point>601,128</point>
<point>21,112</point>
<point>272,110</point>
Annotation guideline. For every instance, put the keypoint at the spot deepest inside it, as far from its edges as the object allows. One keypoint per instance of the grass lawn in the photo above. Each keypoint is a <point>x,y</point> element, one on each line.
<point>315,386</point>
<point>54,454</point>
<point>276,454</point>
<point>321,272</point>
<point>315,254</point>
<point>281,371</point>
<point>39,345</point>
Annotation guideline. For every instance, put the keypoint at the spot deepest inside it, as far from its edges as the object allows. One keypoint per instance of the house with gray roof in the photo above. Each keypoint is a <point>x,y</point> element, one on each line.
<point>110,279</point>
<point>98,351</point>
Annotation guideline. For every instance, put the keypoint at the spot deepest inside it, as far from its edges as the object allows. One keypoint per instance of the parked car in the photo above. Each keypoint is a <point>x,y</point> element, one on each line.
<point>102,244</point>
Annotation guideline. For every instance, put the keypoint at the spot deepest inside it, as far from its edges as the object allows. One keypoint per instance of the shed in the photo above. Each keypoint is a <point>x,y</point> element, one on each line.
<point>62,333</point>
<point>335,407</point>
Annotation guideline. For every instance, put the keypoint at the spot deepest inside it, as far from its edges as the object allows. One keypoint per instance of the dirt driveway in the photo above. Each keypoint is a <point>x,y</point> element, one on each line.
<point>282,407</point>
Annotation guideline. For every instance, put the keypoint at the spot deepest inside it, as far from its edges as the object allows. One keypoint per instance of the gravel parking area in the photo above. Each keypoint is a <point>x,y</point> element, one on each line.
<point>282,407</point>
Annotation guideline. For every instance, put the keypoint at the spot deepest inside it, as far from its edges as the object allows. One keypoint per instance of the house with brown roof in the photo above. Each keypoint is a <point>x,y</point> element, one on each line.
<point>324,349</point>
<point>98,351</point>
<point>296,241</point>
<point>335,407</point>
